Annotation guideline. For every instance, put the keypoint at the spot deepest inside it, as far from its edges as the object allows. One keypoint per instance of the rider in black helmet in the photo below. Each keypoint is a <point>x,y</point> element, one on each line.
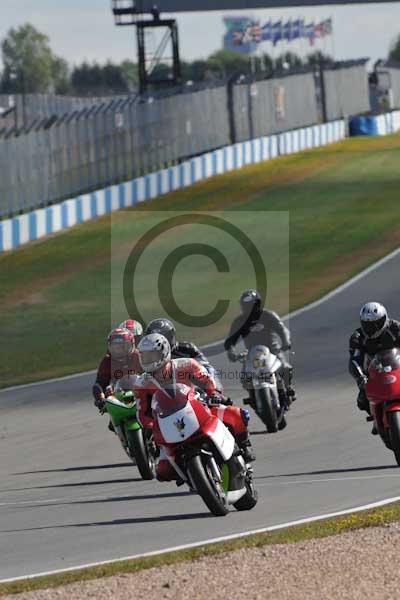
<point>178,349</point>
<point>258,326</point>
<point>181,349</point>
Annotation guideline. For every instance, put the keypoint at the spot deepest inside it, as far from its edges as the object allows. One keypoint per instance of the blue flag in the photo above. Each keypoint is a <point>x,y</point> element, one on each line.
<point>287,30</point>
<point>266,32</point>
<point>277,32</point>
<point>297,29</point>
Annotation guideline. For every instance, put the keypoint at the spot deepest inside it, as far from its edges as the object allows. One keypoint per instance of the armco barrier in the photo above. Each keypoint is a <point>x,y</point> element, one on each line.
<point>39,223</point>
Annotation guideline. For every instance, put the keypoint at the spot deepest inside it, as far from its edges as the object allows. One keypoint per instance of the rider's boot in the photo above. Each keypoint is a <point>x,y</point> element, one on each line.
<point>244,443</point>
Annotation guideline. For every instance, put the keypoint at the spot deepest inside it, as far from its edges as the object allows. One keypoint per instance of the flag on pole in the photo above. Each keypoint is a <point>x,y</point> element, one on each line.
<point>277,32</point>
<point>310,32</point>
<point>287,30</point>
<point>297,28</point>
<point>266,32</point>
<point>327,26</point>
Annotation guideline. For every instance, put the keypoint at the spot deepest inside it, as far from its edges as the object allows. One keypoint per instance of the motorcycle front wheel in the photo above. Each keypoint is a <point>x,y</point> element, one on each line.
<point>268,412</point>
<point>250,499</point>
<point>394,428</point>
<point>210,490</point>
<point>145,461</point>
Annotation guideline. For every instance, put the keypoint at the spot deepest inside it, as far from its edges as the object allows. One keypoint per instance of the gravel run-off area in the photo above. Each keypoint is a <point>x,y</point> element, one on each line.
<point>363,564</point>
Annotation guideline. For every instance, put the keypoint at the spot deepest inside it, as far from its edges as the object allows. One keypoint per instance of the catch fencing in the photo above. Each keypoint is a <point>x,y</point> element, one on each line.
<point>111,142</point>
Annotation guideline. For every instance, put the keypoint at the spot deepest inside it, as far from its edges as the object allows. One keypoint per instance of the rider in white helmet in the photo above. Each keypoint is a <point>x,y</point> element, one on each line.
<point>376,333</point>
<point>162,371</point>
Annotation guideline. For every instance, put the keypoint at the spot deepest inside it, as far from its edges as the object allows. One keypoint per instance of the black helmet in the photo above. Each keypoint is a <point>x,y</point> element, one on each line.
<point>163,326</point>
<point>250,300</point>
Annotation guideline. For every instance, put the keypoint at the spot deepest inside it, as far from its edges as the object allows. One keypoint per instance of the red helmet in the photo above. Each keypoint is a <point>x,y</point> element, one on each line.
<point>134,326</point>
<point>121,343</point>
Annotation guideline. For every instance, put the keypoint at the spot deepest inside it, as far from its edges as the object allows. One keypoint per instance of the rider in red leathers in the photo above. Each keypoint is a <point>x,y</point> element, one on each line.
<point>162,372</point>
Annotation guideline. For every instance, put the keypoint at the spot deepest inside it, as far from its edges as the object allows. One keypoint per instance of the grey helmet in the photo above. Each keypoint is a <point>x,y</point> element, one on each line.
<point>374,319</point>
<point>154,352</point>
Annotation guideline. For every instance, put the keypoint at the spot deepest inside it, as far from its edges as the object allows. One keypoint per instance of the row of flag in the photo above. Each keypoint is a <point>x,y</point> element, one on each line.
<point>293,29</point>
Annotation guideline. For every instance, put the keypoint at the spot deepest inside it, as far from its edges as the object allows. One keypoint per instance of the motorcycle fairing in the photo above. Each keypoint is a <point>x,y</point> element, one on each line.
<point>180,425</point>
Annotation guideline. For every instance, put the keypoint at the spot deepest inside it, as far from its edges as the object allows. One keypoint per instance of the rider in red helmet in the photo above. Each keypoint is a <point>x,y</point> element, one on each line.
<point>120,362</point>
<point>135,327</point>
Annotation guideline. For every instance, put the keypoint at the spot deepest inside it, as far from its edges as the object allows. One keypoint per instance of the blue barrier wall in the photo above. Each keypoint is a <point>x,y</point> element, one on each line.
<point>39,223</point>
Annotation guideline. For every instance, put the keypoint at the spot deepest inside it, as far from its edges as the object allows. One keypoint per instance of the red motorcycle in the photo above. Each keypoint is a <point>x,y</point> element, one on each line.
<point>202,450</point>
<point>383,394</point>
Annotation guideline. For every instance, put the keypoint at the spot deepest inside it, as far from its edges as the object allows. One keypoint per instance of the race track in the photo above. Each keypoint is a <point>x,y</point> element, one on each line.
<point>68,496</point>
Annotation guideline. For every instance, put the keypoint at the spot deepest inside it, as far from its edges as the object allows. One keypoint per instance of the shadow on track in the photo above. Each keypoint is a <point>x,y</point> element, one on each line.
<point>331,471</point>
<point>113,499</point>
<point>136,520</point>
<point>83,468</point>
<point>67,485</point>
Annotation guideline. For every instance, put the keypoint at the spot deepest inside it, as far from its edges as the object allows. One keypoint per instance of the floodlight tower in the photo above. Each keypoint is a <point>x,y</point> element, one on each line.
<point>131,12</point>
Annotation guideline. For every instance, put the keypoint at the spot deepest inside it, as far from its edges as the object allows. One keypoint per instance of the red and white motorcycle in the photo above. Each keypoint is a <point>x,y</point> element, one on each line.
<point>202,450</point>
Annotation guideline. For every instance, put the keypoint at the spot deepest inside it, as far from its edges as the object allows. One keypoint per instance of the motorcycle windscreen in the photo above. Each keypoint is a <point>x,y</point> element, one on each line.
<point>260,357</point>
<point>170,400</point>
<point>386,361</point>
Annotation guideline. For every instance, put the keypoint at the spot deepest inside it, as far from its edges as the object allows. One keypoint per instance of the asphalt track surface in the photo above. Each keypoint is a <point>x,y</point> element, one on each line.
<point>68,495</point>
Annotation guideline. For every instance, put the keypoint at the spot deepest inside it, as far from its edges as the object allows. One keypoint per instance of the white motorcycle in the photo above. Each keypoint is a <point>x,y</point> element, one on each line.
<point>263,373</point>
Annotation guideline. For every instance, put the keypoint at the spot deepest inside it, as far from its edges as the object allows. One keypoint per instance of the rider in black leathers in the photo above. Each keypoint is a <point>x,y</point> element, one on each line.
<point>178,349</point>
<point>258,326</point>
<point>377,333</point>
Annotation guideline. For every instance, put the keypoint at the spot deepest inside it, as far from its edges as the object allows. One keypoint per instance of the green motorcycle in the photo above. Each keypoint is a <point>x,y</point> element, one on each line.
<point>137,443</point>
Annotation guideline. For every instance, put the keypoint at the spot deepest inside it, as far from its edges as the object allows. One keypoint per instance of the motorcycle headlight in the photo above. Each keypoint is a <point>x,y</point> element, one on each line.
<point>266,376</point>
<point>258,362</point>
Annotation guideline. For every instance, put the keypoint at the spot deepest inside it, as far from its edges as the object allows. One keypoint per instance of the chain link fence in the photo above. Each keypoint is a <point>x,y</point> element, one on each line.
<point>109,142</point>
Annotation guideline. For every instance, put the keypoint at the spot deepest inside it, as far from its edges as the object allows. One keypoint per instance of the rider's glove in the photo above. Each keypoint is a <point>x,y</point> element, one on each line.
<point>109,391</point>
<point>232,355</point>
<point>214,399</point>
<point>100,404</point>
<point>362,382</point>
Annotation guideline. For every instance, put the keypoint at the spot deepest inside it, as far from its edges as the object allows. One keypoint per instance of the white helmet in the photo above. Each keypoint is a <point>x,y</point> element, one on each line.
<point>374,319</point>
<point>154,352</point>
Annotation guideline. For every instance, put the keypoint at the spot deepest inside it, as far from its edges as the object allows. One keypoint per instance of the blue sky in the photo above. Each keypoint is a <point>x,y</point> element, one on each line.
<point>84,29</point>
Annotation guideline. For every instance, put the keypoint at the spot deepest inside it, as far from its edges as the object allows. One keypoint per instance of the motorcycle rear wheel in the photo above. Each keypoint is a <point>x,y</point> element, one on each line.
<point>206,487</point>
<point>394,428</point>
<point>145,461</point>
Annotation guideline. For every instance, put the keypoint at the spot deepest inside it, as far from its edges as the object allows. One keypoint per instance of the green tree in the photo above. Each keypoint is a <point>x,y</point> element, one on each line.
<point>394,52</point>
<point>288,60</point>
<point>60,76</point>
<point>226,63</point>
<point>27,60</point>
<point>130,74</point>
<point>315,58</point>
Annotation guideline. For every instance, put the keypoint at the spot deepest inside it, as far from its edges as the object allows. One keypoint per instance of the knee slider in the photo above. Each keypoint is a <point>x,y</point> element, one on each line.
<point>245,414</point>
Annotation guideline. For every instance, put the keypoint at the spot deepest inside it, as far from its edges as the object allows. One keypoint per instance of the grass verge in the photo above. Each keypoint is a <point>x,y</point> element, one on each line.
<point>342,201</point>
<point>315,530</point>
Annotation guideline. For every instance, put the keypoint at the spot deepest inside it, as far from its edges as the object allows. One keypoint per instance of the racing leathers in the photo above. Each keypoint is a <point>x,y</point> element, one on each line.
<point>362,349</point>
<point>111,371</point>
<point>191,373</point>
<point>264,328</point>
<point>189,350</point>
